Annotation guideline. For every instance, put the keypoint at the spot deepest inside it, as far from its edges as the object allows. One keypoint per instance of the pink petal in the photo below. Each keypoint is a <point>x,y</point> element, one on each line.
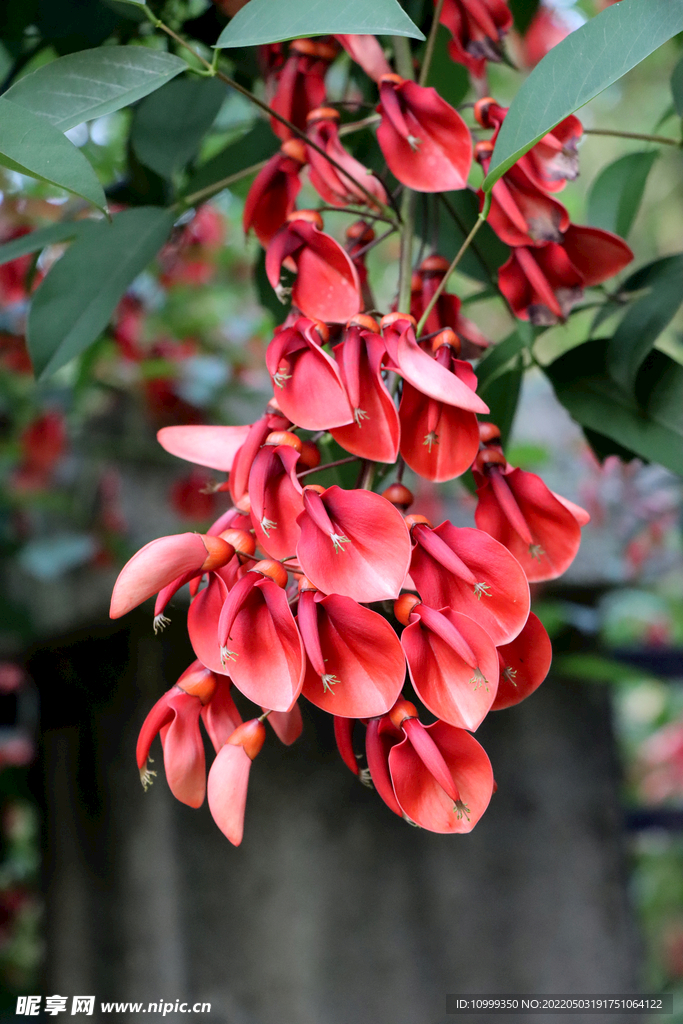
<point>524,664</point>
<point>184,761</point>
<point>202,623</point>
<point>227,790</point>
<point>214,447</point>
<point>155,566</point>
<point>287,725</point>
<point>220,716</point>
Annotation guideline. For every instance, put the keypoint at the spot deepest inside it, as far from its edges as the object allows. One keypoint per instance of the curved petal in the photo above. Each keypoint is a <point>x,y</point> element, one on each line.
<point>155,566</point>
<point>220,716</point>
<point>327,286</point>
<point>202,624</point>
<point>370,558</point>
<point>363,661</point>
<point>438,441</point>
<point>524,664</point>
<point>421,797</point>
<point>184,761</point>
<point>367,52</point>
<point>377,747</point>
<point>429,376</point>
<point>444,682</point>
<point>271,197</point>
<point>267,663</point>
<point>276,500</point>
<point>374,430</point>
<point>287,725</point>
<point>310,391</point>
<point>595,253</point>
<point>213,447</point>
<point>499,599</point>
<point>227,791</point>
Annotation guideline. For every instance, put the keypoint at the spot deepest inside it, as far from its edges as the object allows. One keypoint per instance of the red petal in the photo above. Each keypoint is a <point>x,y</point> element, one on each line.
<point>287,725</point>
<point>367,52</point>
<point>271,198</point>
<point>377,747</point>
<point>275,495</point>
<point>524,664</point>
<point>184,761</point>
<point>596,254</point>
<point>214,447</point>
<point>327,286</point>
<point>227,791</point>
<point>363,656</point>
<point>374,432</point>
<point>372,564</point>
<point>502,606</point>
<point>312,394</point>
<point>438,441</point>
<point>220,716</point>
<point>202,623</point>
<point>423,799</point>
<point>155,566</point>
<point>427,375</point>
<point>343,734</point>
<point>446,683</point>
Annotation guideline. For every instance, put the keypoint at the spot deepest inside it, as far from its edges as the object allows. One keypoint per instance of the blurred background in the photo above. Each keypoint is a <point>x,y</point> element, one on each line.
<point>332,910</point>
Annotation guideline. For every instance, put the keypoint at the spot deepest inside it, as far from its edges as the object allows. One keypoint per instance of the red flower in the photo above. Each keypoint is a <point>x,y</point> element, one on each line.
<point>275,495</point>
<point>327,286</point>
<point>374,431</point>
<point>470,572</point>
<point>273,192</point>
<point>176,717</point>
<point>162,562</point>
<point>333,187</point>
<point>439,441</point>
<point>540,529</point>
<point>301,83</point>
<point>245,455</point>
<point>452,661</point>
<point>440,777</point>
<point>521,214</point>
<point>553,160</point>
<point>229,778</point>
<point>477,27</point>
<point>524,664</point>
<point>213,447</point>
<point>307,380</point>
<point>353,543</point>
<point>424,140</point>
<point>423,371</point>
<point>355,666</point>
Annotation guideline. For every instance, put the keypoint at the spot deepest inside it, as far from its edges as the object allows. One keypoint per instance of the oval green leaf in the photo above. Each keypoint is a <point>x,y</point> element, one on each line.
<point>272,21</point>
<point>74,303</point>
<point>577,69</point>
<point>30,145</point>
<point>91,83</point>
<point>616,193</point>
<point>36,240</point>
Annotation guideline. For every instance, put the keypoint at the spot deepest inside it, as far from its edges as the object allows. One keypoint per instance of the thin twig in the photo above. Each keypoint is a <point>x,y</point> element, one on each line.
<point>218,186</point>
<point>375,242</point>
<point>663,139</point>
<point>328,465</point>
<point>429,52</point>
<point>442,284</point>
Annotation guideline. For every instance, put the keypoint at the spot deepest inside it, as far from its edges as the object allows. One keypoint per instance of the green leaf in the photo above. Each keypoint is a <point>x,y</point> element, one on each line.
<point>497,359</point>
<point>646,319</point>
<point>36,240</point>
<point>272,21</point>
<point>91,83</point>
<point>30,145</point>
<point>595,668</point>
<point>501,394</point>
<point>169,125</point>
<point>257,144</point>
<point>677,87</point>
<point>616,194</point>
<point>77,298</point>
<point>577,69</point>
<point>523,12</point>
<point>654,430</point>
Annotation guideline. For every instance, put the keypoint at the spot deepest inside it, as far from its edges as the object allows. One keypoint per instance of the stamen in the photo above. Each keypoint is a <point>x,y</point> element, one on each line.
<point>366,778</point>
<point>268,524</point>
<point>160,623</point>
<point>227,655</point>
<point>413,142</point>
<point>411,822</point>
<point>360,414</point>
<point>146,775</point>
<point>338,540</point>
<point>478,678</point>
<point>482,588</point>
<point>283,293</point>
<point>535,550</point>
<point>462,810</point>
<point>280,377</point>
<point>329,682</point>
<point>510,674</point>
<point>431,438</point>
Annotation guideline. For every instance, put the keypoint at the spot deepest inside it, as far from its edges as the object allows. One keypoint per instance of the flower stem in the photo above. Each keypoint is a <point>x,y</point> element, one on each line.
<point>405,271</point>
<point>403,58</point>
<point>218,186</point>
<point>663,139</point>
<point>439,291</point>
<point>329,465</point>
<point>429,51</point>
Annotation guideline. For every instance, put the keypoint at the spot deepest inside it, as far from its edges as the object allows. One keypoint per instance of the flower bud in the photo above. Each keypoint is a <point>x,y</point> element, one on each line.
<point>489,457</point>
<point>368,323</point>
<point>310,216</point>
<point>399,495</point>
<point>322,114</point>
<point>250,735</point>
<point>483,151</point>
<point>401,710</point>
<point>219,553</point>
<point>414,520</point>
<point>434,265</point>
<point>274,570</point>
<point>278,437</point>
<point>391,77</point>
<point>488,433</point>
<point>198,681</point>
<point>360,232</point>
<point>295,149</point>
<point>403,607</point>
<point>318,488</point>
<point>243,542</point>
<point>309,456</point>
<point>391,318</point>
<point>446,337</point>
<point>481,111</point>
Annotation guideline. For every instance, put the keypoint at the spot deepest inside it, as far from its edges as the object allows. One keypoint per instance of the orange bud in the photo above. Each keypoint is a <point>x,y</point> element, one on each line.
<point>391,77</point>
<point>305,584</point>
<point>295,149</point>
<point>274,570</point>
<point>401,710</point>
<point>278,437</point>
<point>309,455</point>
<point>434,265</point>
<point>244,504</point>
<point>318,488</point>
<point>391,318</point>
<point>488,432</point>
<point>368,323</point>
<point>244,543</point>
<point>483,150</point>
<point>322,329</point>
<point>322,114</point>
<point>404,606</point>
<point>481,111</point>
<point>310,216</point>
<point>416,282</point>
<point>219,553</point>
<point>399,495</point>
<point>413,520</point>
<point>359,231</point>
<point>446,337</point>
<point>198,681</point>
<point>249,735</point>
